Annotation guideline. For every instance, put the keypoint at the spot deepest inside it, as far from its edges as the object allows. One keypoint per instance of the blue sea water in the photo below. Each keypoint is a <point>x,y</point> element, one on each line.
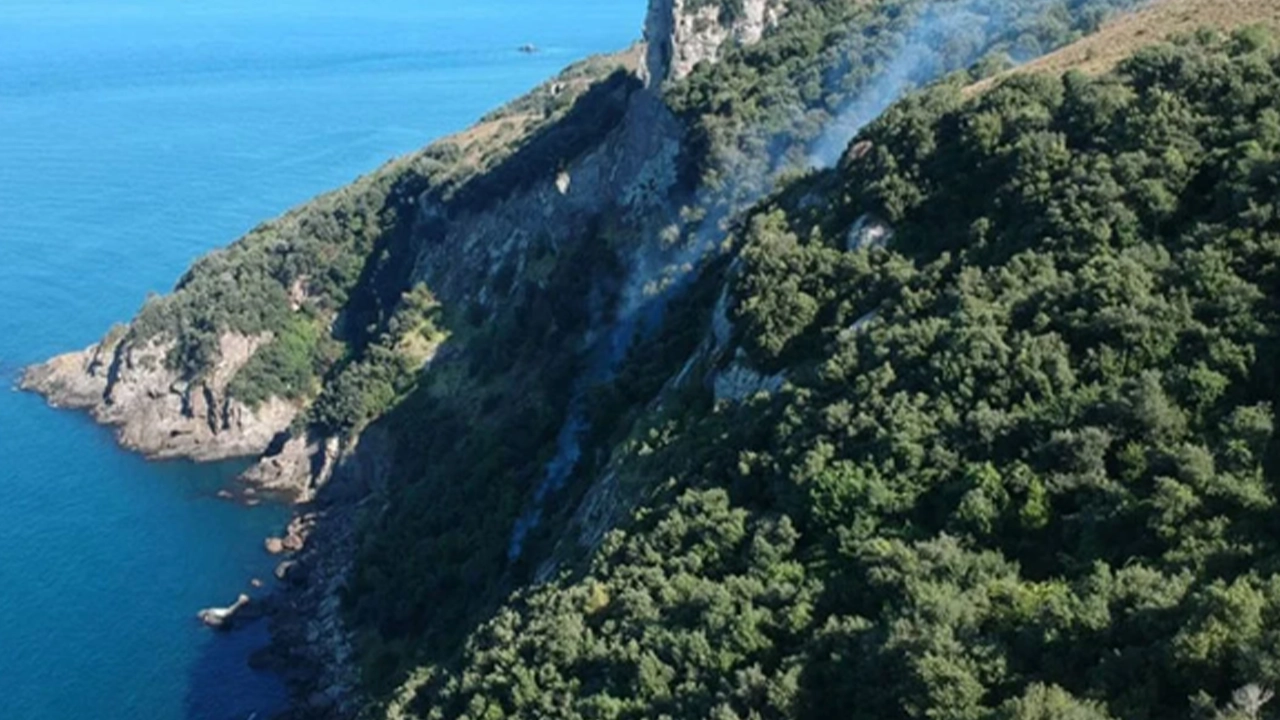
<point>136,135</point>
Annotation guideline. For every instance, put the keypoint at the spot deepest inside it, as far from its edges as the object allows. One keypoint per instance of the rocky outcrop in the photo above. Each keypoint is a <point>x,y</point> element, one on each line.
<point>867,232</point>
<point>295,536</point>
<point>127,384</point>
<point>628,171</point>
<point>738,382</point>
<point>682,33</point>
<point>298,469</point>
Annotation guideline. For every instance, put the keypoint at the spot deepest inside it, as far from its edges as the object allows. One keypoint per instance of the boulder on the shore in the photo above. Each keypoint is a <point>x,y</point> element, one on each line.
<point>295,536</point>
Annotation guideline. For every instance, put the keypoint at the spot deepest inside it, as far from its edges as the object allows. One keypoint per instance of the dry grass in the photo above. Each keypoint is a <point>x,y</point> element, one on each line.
<point>1160,20</point>
<point>507,127</point>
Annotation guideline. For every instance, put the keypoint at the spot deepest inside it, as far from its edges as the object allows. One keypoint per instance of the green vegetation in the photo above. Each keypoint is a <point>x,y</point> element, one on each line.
<point>1023,466</point>
<point>757,111</point>
<point>316,251</point>
<point>288,366</point>
<point>388,369</point>
<point>476,433</point>
<point>472,439</point>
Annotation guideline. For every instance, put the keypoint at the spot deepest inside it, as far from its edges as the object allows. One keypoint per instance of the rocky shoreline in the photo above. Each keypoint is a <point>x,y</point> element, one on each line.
<point>311,648</point>
<point>125,381</point>
<point>326,480</point>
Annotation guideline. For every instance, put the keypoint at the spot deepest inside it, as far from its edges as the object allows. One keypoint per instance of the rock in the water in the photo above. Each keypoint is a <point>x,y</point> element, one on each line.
<point>223,618</point>
<point>295,536</point>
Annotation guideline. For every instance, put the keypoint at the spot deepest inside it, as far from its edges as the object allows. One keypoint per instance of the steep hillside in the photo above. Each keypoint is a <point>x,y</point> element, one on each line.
<point>1157,21</point>
<point>1018,457</point>
<point>677,389</point>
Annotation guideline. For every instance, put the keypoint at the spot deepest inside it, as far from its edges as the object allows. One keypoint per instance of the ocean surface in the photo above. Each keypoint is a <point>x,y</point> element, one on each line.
<point>136,135</point>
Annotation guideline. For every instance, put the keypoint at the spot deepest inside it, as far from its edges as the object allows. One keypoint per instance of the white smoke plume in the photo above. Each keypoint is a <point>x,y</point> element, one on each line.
<point>945,37</point>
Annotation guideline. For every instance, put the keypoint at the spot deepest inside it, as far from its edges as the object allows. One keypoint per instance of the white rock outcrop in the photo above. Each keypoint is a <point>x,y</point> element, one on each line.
<point>682,33</point>
<point>867,232</point>
<point>129,386</point>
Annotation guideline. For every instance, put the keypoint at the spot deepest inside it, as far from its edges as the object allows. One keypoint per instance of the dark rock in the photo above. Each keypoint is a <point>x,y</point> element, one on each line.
<point>293,573</point>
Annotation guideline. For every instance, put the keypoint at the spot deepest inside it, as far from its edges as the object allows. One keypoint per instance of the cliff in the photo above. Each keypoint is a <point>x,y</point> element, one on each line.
<point>679,34</point>
<point>467,206</point>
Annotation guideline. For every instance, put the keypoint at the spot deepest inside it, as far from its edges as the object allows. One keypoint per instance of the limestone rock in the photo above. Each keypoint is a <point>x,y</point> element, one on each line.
<point>867,232</point>
<point>223,618</point>
<point>679,37</point>
<point>126,383</point>
<point>739,382</point>
<point>299,468</point>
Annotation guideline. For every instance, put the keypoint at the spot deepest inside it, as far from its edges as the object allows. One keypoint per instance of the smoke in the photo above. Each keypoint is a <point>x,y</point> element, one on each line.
<point>945,37</point>
<point>556,474</point>
<point>603,359</point>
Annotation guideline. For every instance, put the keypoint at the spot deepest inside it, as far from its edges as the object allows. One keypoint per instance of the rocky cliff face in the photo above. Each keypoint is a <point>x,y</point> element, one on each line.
<point>682,33</point>
<point>629,171</point>
<point>312,648</point>
<point>129,386</point>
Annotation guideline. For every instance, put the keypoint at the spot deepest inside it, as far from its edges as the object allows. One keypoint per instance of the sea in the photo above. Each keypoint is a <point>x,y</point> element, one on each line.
<point>136,135</point>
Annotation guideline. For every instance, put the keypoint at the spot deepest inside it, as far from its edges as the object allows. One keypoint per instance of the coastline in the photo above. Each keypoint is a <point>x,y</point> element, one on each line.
<point>309,649</point>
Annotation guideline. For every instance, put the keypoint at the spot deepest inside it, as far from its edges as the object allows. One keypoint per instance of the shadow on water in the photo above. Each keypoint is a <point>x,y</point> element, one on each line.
<point>222,685</point>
